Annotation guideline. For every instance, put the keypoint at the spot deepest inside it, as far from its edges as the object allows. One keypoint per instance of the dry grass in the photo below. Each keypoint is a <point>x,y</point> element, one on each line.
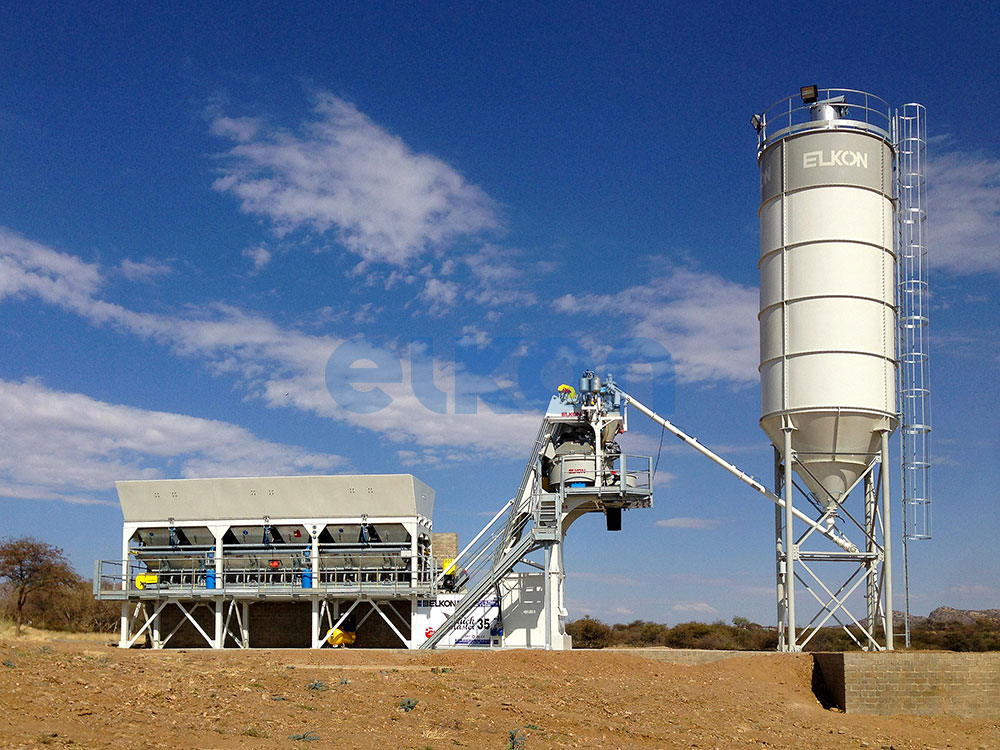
<point>36,635</point>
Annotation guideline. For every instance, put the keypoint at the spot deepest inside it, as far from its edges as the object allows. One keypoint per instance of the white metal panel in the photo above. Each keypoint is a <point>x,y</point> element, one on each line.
<point>375,495</point>
<point>843,214</point>
<point>827,269</point>
<point>842,324</point>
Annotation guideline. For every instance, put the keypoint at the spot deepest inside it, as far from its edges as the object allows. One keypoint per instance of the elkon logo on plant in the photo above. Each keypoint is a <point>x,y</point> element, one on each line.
<point>834,158</point>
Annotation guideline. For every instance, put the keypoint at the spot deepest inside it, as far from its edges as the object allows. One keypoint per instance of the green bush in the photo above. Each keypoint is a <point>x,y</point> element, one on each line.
<point>587,632</point>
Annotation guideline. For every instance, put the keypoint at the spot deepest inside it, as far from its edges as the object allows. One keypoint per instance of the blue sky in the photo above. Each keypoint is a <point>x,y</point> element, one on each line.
<point>198,206</point>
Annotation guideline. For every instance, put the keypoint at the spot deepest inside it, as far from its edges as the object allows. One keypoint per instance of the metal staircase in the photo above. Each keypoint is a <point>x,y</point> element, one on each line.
<point>521,510</point>
<point>477,592</point>
<point>494,552</point>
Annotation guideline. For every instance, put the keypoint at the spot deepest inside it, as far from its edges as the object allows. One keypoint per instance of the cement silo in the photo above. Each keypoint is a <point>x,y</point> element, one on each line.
<point>827,294</point>
<point>828,345</point>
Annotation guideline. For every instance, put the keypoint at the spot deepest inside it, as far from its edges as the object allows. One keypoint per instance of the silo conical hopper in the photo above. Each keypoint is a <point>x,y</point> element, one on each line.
<point>827,272</point>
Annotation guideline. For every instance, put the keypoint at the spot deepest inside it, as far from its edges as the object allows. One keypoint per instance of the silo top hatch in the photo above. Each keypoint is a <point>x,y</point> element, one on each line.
<point>375,495</point>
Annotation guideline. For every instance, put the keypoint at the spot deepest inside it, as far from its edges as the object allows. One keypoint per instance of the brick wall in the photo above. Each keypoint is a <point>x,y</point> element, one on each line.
<point>445,545</point>
<point>913,682</point>
<point>280,624</point>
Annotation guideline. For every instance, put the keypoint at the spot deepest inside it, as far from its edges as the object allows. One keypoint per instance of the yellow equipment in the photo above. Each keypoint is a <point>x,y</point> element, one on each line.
<point>145,579</point>
<point>340,638</point>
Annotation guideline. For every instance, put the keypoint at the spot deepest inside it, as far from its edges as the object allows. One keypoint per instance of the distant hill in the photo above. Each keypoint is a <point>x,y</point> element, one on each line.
<point>943,616</point>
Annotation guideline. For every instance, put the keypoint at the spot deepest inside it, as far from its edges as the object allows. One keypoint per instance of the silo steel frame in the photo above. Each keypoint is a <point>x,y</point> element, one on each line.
<point>870,561</point>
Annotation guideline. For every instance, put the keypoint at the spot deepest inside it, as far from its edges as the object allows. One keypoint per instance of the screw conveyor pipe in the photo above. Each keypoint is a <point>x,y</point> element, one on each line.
<point>832,535</point>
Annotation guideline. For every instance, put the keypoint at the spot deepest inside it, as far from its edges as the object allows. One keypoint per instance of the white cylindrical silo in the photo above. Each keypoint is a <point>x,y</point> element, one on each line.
<point>827,280</point>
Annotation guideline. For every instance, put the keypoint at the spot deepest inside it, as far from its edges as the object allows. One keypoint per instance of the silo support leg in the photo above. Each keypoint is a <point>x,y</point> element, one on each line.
<point>789,545</point>
<point>779,564</point>
<point>547,605</point>
<point>871,565</point>
<point>886,541</point>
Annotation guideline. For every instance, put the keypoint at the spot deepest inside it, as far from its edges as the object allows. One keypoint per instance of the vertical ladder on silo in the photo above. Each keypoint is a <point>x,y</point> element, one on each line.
<point>913,307</point>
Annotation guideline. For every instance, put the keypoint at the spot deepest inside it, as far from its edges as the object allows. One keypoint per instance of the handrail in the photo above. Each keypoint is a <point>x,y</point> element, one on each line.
<point>785,116</point>
<point>143,578</point>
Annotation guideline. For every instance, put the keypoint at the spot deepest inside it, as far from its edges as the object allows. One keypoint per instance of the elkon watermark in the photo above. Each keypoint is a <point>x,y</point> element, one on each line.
<point>507,375</point>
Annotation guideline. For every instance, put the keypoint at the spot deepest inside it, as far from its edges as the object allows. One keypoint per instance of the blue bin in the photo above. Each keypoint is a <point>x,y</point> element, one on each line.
<point>307,579</point>
<point>210,579</point>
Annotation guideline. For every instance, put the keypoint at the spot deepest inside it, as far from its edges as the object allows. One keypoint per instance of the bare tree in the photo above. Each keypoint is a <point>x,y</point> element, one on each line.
<point>29,566</point>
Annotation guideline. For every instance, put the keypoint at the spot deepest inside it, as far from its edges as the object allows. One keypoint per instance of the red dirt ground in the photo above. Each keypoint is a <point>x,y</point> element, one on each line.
<point>80,694</point>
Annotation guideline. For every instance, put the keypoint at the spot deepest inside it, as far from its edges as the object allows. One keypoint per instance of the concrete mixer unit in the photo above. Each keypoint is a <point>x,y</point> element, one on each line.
<point>828,343</point>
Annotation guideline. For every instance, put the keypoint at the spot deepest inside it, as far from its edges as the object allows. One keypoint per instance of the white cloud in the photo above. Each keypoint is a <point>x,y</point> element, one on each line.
<point>258,256</point>
<point>439,295</point>
<point>683,522</point>
<point>366,313</point>
<point>282,366</point>
<point>963,213</point>
<point>731,585</point>
<point>663,479</point>
<point>344,173</point>
<point>145,270</point>
<point>606,579</point>
<point>240,129</point>
<point>435,457</point>
<point>62,446</point>
<point>698,608</point>
<point>707,323</point>
<point>502,277</point>
<point>473,335</point>
<point>974,589</point>
<point>28,268</point>
<point>449,436</point>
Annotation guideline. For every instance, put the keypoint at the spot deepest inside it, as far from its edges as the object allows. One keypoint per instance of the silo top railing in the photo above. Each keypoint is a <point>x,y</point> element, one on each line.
<point>866,112</point>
